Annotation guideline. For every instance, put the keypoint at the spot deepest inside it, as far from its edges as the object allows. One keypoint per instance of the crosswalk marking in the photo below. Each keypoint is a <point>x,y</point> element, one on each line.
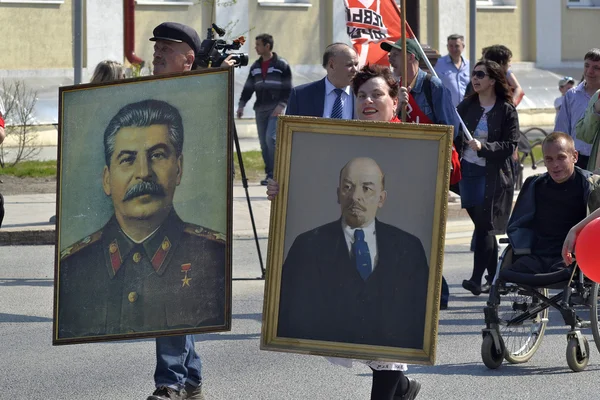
<point>460,231</point>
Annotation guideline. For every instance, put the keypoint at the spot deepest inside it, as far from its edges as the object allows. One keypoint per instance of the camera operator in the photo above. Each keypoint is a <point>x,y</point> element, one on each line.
<point>178,367</point>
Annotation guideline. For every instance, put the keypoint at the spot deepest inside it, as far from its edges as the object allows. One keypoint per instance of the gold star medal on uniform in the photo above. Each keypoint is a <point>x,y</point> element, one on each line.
<point>185,268</point>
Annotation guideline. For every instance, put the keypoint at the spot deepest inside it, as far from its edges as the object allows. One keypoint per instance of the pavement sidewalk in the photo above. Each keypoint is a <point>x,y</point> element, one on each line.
<point>27,218</point>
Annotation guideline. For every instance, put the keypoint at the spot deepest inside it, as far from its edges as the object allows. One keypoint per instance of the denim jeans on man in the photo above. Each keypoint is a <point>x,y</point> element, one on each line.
<point>177,362</point>
<point>267,129</point>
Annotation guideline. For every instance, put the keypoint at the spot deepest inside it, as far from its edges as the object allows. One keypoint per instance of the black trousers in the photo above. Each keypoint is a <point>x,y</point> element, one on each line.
<point>387,384</point>
<point>486,245</point>
<point>1,209</point>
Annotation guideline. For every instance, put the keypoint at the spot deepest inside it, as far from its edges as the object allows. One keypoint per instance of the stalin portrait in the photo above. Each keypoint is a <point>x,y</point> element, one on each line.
<point>146,270</point>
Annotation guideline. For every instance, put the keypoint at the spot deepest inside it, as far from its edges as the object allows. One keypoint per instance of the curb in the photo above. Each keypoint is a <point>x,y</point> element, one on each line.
<point>27,237</point>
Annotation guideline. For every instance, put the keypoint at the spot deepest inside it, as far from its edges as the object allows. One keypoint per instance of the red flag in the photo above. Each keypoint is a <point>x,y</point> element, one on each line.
<point>370,22</point>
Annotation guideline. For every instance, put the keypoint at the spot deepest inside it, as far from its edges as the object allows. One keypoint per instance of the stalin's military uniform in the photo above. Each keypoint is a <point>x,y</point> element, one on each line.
<point>109,284</point>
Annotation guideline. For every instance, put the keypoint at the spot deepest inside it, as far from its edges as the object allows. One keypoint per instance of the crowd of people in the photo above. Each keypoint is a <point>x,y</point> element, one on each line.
<point>485,98</point>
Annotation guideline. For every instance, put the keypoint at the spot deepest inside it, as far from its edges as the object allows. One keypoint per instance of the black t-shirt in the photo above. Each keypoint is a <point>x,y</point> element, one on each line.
<point>558,207</point>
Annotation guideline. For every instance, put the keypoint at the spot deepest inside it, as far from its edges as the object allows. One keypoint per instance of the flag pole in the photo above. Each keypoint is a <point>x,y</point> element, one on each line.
<point>405,83</point>
<point>432,71</point>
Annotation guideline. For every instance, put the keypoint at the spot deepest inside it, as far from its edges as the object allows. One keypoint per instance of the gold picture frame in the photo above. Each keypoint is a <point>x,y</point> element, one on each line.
<point>144,208</point>
<point>316,319</point>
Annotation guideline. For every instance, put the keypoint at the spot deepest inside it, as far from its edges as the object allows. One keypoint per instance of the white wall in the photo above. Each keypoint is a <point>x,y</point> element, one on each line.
<point>452,18</point>
<point>104,24</point>
<point>548,33</point>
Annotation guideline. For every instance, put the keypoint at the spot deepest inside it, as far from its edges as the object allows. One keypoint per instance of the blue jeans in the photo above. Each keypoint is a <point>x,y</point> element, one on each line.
<point>267,130</point>
<point>177,362</point>
<point>445,292</point>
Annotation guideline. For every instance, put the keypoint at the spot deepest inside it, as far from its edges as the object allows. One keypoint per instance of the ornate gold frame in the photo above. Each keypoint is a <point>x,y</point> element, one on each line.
<point>287,127</point>
<point>227,115</point>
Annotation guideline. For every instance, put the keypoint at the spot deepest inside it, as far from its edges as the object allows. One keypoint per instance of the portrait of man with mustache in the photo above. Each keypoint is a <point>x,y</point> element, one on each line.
<point>146,270</point>
<point>356,280</point>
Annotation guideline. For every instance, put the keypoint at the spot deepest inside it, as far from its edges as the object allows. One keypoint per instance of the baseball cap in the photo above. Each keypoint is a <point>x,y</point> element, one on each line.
<point>175,32</point>
<point>411,47</point>
<point>565,80</point>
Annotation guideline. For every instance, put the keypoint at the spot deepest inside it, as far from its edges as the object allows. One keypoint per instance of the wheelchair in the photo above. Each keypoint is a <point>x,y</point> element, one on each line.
<point>516,314</point>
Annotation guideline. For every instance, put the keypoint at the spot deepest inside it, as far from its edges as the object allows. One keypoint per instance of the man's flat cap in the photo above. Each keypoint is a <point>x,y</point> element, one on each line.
<point>175,32</point>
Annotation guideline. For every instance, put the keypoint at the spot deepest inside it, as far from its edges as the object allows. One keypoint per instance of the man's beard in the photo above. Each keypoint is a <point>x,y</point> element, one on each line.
<point>144,188</point>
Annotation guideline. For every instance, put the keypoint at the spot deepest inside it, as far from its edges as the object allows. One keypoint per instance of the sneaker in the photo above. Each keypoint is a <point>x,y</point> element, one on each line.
<point>167,393</point>
<point>413,390</point>
<point>193,392</point>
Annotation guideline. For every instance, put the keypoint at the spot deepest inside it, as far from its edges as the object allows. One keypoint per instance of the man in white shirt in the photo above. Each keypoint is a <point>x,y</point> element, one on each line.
<point>330,97</point>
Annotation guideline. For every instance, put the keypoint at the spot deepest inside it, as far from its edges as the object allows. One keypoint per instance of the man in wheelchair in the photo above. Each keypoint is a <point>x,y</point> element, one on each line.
<point>548,206</point>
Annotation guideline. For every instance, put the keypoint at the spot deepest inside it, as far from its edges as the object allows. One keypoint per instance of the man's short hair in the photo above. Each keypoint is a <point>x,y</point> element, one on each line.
<point>333,50</point>
<point>498,53</point>
<point>592,55</point>
<point>555,137</point>
<point>266,39</point>
<point>456,36</point>
<point>142,114</point>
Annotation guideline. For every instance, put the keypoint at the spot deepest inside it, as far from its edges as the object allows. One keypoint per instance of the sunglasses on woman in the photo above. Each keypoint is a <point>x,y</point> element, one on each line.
<point>479,74</point>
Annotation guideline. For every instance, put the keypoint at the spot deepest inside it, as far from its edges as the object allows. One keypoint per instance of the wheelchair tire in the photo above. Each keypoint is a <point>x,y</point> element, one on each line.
<point>594,314</point>
<point>521,341</point>
<point>576,361</point>
<point>492,358</point>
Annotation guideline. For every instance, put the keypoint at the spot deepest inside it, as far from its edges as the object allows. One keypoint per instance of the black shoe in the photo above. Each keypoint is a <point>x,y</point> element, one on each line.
<point>193,392</point>
<point>471,287</point>
<point>413,390</point>
<point>443,306</point>
<point>167,393</point>
<point>485,288</point>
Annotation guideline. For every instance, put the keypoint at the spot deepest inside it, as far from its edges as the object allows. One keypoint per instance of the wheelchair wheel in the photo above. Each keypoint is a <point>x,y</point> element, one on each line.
<point>594,311</point>
<point>576,361</point>
<point>521,340</point>
<point>491,356</point>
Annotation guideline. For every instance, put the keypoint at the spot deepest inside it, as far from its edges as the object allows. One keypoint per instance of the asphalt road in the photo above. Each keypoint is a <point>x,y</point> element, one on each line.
<point>235,368</point>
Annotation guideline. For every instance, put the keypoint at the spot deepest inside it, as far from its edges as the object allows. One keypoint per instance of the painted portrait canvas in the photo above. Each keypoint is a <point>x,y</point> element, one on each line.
<point>356,240</point>
<point>143,208</point>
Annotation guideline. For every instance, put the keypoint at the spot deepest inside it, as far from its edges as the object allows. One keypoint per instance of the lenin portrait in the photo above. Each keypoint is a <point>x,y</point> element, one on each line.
<point>146,270</point>
<point>356,279</point>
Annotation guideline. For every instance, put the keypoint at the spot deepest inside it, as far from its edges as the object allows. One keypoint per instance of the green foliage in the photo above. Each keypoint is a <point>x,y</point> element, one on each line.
<point>32,169</point>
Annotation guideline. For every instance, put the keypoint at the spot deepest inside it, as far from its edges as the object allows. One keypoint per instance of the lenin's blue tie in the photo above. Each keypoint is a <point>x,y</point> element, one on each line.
<point>362,256</point>
<point>337,111</point>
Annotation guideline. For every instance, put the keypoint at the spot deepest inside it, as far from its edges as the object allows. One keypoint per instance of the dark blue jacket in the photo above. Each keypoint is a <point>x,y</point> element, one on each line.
<point>520,230</point>
<point>308,100</point>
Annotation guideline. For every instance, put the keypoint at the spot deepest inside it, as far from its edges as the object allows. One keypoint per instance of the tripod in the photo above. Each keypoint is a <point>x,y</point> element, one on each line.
<point>245,184</point>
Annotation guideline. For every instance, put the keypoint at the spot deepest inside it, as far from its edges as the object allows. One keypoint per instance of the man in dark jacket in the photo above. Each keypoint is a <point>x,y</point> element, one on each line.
<point>271,78</point>
<point>549,205</point>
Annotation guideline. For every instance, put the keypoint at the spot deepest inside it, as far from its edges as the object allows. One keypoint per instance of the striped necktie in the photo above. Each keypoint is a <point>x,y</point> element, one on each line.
<point>337,111</point>
<point>362,256</point>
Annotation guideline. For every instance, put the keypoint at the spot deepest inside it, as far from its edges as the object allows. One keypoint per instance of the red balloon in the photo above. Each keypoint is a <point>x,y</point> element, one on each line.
<point>587,250</point>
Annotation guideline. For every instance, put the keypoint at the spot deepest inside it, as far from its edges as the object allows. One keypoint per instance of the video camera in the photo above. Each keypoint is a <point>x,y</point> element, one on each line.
<point>214,51</point>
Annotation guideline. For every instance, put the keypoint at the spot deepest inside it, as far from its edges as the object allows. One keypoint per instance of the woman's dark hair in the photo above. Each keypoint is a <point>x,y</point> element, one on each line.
<point>496,72</point>
<point>369,72</point>
<point>498,53</point>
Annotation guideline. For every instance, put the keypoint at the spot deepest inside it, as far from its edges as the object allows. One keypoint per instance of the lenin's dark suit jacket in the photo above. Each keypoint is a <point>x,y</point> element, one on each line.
<point>323,297</point>
<point>309,100</point>
<point>174,279</point>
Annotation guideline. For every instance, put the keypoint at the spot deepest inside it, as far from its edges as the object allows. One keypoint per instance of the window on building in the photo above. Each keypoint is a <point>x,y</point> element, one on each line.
<point>165,2</point>
<point>583,3</point>
<point>496,3</point>
<point>33,1</point>
<point>285,3</point>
